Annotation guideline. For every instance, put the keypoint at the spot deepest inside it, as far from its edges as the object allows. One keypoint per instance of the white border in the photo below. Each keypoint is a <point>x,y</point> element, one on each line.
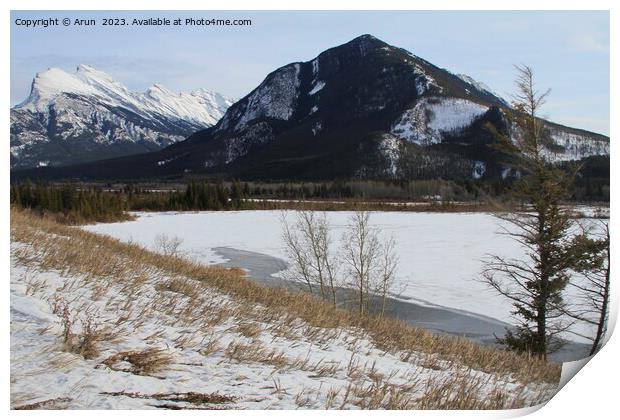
<point>591,394</point>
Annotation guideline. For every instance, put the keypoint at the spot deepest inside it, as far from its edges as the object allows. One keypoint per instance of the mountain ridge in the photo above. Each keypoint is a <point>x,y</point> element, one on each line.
<point>363,109</point>
<point>73,117</point>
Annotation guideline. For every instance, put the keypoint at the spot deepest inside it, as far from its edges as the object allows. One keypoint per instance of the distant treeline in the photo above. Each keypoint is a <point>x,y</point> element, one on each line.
<point>69,203</point>
<point>77,203</point>
<point>197,195</point>
<point>203,194</point>
<point>419,190</point>
<point>82,203</point>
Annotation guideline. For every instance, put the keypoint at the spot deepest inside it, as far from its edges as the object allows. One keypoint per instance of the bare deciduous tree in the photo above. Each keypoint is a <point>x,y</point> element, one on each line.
<point>297,253</point>
<point>309,246</point>
<point>169,246</point>
<point>371,264</point>
<point>361,252</point>
<point>387,271</point>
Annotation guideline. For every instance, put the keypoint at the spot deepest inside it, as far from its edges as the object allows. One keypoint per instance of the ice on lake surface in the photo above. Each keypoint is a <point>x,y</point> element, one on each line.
<point>440,254</point>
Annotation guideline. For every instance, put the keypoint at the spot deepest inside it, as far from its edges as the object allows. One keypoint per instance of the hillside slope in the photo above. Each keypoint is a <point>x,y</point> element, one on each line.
<point>100,324</point>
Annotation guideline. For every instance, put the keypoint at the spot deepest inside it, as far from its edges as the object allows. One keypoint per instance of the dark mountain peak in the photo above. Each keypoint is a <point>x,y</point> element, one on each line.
<point>366,37</point>
<point>328,110</point>
<point>360,46</point>
<point>368,40</point>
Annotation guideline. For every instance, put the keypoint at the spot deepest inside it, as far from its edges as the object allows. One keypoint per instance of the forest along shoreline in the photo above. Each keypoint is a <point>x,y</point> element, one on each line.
<point>437,319</point>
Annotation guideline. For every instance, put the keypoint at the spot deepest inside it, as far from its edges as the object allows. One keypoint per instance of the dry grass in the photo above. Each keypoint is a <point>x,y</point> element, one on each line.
<point>255,352</point>
<point>249,329</point>
<point>51,404</point>
<point>86,342</point>
<point>178,285</point>
<point>460,392</point>
<point>210,344</point>
<point>145,362</point>
<point>181,286</point>
<point>194,398</point>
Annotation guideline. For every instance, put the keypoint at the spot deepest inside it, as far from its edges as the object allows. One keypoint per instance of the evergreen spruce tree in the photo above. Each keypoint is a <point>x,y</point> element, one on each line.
<point>535,283</point>
<point>591,303</point>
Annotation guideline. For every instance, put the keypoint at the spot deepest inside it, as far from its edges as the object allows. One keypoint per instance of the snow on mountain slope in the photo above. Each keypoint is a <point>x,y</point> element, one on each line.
<point>424,82</point>
<point>481,86</point>
<point>573,146</point>
<point>430,117</point>
<point>87,109</point>
<point>274,98</point>
<point>47,85</point>
<point>200,106</point>
<point>317,87</point>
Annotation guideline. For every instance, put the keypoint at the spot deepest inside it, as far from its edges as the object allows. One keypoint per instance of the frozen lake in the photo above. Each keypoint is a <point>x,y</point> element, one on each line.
<point>440,254</point>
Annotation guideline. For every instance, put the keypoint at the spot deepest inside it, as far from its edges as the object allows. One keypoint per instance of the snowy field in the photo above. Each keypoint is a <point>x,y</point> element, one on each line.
<point>440,254</point>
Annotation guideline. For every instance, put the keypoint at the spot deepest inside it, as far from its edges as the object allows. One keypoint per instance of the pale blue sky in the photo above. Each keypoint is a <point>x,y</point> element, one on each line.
<point>569,51</point>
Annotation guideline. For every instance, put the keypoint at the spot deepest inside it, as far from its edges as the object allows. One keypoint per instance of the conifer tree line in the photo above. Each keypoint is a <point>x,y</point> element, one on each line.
<point>93,202</point>
<point>79,203</point>
<point>69,203</point>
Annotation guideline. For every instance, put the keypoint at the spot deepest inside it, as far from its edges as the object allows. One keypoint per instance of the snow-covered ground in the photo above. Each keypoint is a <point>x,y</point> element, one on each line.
<point>207,344</point>
<point>440,254</point>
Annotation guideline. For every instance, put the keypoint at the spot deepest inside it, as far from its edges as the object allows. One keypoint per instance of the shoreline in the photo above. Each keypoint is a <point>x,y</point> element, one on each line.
<point>435,318</point>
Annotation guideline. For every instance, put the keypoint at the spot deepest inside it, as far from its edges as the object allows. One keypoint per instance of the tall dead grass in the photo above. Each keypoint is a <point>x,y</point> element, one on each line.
<point>144,362</point>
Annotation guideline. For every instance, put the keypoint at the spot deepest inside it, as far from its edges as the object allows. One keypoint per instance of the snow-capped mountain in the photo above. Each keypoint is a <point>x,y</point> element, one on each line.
<point>87,115</point>
<point>362,109</point>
